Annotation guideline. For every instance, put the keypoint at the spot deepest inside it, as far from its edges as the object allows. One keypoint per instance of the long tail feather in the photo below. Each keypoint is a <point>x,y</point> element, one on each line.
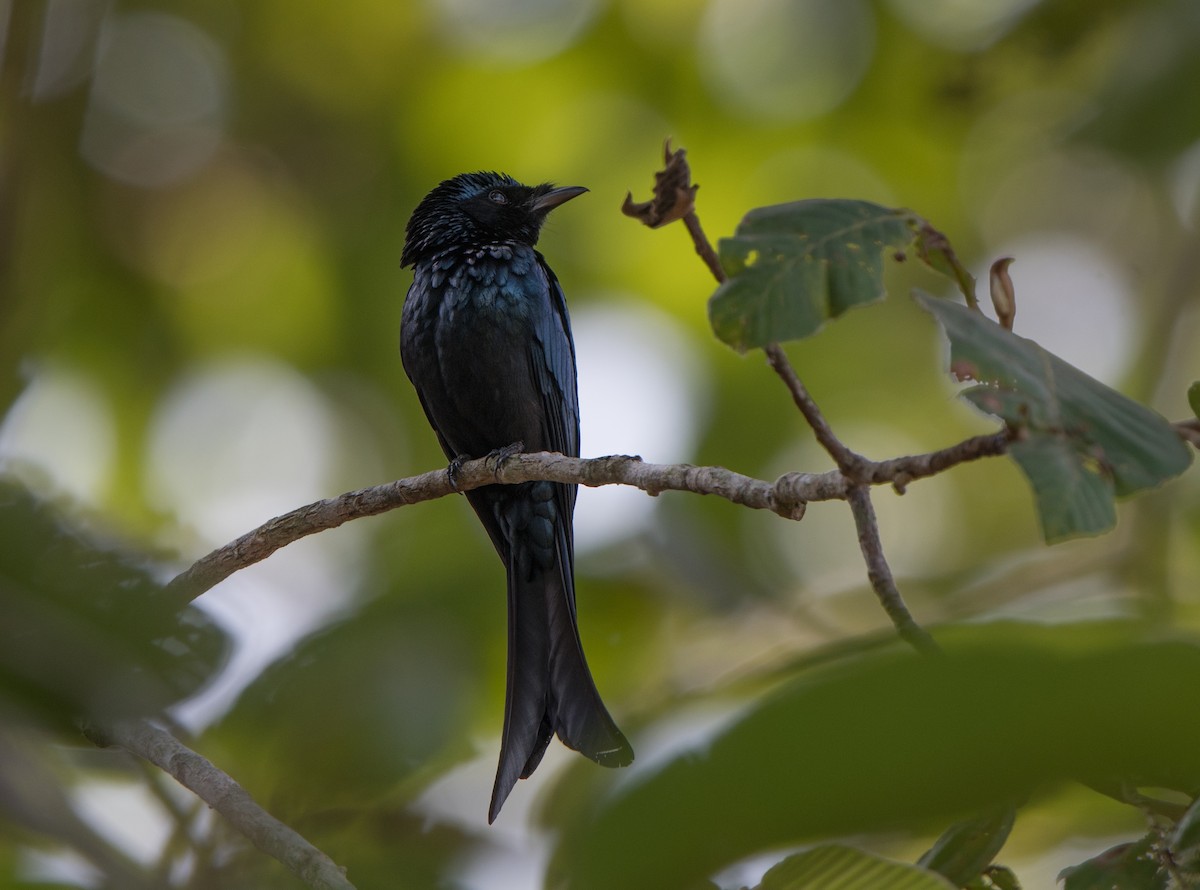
<point>549,689</point>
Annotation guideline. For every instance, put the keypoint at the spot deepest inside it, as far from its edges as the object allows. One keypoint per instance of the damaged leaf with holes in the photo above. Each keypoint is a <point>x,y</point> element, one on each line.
<point>1080,443</point>
<point>792,267</point>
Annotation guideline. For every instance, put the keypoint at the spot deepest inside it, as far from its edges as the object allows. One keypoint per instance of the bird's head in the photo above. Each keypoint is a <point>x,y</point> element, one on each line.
<point>480,208</point>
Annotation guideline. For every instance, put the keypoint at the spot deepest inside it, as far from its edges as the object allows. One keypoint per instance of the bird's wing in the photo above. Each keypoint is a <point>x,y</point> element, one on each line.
<point>554,371</point>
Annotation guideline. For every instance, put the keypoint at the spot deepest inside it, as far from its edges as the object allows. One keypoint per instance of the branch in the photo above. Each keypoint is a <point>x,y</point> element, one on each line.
<point>703,247</point>
<point>219,790</point>
<point>786,496</point>
<point>674,198</point>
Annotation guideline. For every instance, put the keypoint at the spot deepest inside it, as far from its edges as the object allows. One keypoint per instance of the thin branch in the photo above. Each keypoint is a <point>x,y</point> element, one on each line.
<point>849,462</point>
<point>703,247</point>
<point>786,496</point>
<point>880,574</point>
<point>674,199</point>
<point>219,790</point>
<point>257,545</point>
<point>899,471</point>
<point>853,468</point>
<point>180,841</point>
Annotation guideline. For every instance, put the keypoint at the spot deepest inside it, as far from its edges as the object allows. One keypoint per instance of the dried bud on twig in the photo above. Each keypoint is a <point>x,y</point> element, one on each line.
<point>674,194</point>
<point>1004,298</point>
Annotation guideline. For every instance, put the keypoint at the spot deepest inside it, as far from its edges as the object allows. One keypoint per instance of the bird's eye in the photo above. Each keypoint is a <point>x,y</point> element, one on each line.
<point>498,197</point>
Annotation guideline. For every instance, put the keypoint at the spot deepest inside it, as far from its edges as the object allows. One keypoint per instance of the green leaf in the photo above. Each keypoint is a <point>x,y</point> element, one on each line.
<point>1074,495</point>
<point>1194,398</point>
<point>892,741</point>
<point>398,661</point>
<point>968,847</point>
<point>845,868</point>
<point>1125,865</point>
<point>86,631</point>
<point>792,267</point>
<point>1081,443</point>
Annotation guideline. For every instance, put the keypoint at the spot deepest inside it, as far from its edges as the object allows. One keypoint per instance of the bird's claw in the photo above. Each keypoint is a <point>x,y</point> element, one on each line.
<point>496,457</point>
<point>454,468</point>
<point>500,455</point>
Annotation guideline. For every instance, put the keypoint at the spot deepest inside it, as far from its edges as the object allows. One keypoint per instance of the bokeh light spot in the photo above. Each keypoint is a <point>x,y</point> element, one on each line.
<point>640,392</point>
<point>157,108</point>
<point>961,24</point>
<point>237,442</point>
<point>786,59</point>
<point>62,426</point>
<point>517,31</point>
<point>66,46</point>
<point>242,260</point>
<point>233,444</point>
<point>1185,185</point>
<point>918,530</point>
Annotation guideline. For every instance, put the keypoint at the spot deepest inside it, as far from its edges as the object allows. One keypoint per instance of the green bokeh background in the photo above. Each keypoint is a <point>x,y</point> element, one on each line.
<point>202,207</point>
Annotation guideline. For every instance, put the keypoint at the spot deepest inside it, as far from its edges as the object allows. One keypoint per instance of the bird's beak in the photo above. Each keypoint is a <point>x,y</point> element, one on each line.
<point>553,198</point>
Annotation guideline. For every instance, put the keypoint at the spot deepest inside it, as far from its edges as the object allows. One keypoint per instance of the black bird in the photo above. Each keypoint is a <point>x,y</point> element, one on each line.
<point>486,340</point>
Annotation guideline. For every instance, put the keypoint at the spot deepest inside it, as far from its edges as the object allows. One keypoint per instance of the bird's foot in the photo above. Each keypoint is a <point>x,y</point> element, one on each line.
<point>496,457</point>
<point>454,468</point>
<point>500,455</point>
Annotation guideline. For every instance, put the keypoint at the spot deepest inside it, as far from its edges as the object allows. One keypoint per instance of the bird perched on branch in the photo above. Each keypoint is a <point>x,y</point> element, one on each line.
<point>486,340</point>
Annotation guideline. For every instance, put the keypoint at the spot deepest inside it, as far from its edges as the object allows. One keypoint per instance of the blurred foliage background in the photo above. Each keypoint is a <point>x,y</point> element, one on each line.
<point>202,206</point>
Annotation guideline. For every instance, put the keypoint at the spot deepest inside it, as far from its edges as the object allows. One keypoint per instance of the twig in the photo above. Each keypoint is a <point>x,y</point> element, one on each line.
<point>899,471</point>
<point>180,841</point>
<point>880,574</point>
<point>219,790</point>
<point>703,247</point>
<point>684,194</point>
<point>674,198</point>
<point>849,462</point>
